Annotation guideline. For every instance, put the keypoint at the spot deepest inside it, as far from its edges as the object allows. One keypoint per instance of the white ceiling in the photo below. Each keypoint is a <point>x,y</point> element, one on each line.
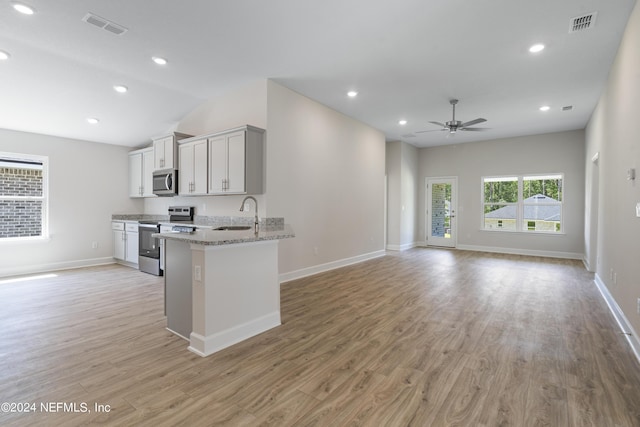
<point>406,59</point>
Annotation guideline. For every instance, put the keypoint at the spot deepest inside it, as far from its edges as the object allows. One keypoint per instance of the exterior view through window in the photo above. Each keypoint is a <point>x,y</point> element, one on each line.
<point>530,203</point>
<point>23,196</point>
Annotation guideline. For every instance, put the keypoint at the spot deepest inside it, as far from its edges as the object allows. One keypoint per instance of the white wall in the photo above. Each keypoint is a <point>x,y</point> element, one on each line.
<point>549,153</point>
<point>402,173</point>
<point>242,106</point>
<point>88,182</point>
<point>325,176</point>
<point>613,230</point>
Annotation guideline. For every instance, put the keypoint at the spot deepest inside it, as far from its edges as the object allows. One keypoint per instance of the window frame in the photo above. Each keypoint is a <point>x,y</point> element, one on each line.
<point>522,224</point>
<point>44,198</point>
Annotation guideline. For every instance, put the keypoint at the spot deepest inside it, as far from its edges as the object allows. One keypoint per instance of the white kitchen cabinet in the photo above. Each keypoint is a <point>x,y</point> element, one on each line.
<point>125,242</point>
<point>236,161</point>
<point>165,151</point>
<point>141,173</point>
<point>192,172</point>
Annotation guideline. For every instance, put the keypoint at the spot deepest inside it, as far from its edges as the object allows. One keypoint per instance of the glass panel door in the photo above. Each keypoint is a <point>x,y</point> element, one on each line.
<point>441,211</point>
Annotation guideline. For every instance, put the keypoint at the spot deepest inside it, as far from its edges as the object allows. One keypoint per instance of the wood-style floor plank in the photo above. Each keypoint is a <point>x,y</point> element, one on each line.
<point>426,337</point>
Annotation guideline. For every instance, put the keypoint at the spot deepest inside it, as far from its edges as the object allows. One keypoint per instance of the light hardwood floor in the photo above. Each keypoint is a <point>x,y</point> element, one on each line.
<point>426,337</point>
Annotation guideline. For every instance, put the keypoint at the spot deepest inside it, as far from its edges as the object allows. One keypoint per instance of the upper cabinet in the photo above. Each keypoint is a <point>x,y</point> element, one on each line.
<point>165,151</point>
<point>192,172</point>
<point>236,161</point>
<point>141,173</point>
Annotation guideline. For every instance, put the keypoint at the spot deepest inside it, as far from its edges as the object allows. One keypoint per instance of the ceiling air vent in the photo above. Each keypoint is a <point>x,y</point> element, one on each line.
<point>581,23</point>
<point>567,108</point>
<point>408,135</point>
<point>105,24</point>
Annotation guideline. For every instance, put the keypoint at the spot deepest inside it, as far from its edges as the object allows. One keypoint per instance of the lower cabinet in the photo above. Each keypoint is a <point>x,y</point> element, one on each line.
<point>125,241</point>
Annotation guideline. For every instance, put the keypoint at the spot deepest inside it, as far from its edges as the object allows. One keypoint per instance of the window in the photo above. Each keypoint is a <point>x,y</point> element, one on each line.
<point>530,203</point>
<point>23,196</point>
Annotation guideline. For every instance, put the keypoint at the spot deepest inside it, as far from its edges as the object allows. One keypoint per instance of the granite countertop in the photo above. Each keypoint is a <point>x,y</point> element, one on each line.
<point>207,236</point>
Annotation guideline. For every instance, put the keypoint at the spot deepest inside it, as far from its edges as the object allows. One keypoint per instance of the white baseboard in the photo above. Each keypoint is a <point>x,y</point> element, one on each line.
<point>205,346</point>
<point>309,271</point>
<point>404,247</point>
<point>625,325</point>
<point>66,265</point>
<point>529,252</point>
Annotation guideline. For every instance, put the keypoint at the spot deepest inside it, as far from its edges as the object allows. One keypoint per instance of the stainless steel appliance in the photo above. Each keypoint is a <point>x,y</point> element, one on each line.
<point>149,247</point>
<point>165,182</point>
<point>150,250</point>
<point>181,214</point>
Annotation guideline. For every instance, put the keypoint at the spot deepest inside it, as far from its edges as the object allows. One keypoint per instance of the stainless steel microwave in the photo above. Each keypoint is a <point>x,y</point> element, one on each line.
<point>165,182</point>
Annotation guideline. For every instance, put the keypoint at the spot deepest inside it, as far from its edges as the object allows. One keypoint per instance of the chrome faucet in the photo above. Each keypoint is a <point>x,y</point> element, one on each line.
<point>256,222</point>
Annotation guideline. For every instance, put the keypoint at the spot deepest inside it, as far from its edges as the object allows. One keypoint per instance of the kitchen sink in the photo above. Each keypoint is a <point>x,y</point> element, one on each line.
<point>233,228</point>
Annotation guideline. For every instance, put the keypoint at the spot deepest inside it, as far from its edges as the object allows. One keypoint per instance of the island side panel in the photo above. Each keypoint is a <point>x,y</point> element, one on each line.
<point>178,285</point>
<point>237,296</point>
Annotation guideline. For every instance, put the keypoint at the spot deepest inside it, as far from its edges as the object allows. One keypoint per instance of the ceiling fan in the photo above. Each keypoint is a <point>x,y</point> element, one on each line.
<point>454,125</point>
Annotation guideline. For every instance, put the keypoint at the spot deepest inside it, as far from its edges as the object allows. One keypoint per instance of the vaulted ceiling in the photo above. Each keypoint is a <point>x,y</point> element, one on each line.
<point>406,59</point>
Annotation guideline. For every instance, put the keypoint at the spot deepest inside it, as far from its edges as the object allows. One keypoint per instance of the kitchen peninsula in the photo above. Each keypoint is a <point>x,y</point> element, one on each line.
<point>222,284</point>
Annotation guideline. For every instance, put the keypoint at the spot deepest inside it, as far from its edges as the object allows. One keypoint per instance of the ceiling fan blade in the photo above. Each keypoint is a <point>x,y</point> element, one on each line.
<point>473,129</point>
<point>473,122</point>
<point>442,125</point>
<point>434,130</point>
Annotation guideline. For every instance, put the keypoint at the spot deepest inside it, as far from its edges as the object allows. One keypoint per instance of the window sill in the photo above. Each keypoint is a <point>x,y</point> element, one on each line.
<point>9,240</point>
<point>537,233</point>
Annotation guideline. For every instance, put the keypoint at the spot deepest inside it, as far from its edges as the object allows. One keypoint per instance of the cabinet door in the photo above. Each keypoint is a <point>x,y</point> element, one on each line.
<point>217,164</point>
<point>147,173</point>
<point>200,167</point>
<point>135,175</point>
<point>236,163</point>
<point>158,154</point>
<point>185,171</point>
<point>132,247</point>
<point>163,153</point>
<point>119,244</point>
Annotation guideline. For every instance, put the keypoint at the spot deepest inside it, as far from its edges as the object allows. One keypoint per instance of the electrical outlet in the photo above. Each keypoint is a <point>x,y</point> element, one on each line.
<point>638,305</point>
<point>315,250</point>
<point>197,273</point>
<point>615,278</point>
<point>94,245</point>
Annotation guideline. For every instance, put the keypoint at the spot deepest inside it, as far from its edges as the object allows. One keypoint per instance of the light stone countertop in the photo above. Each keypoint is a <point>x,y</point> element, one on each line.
<point>207,236</point>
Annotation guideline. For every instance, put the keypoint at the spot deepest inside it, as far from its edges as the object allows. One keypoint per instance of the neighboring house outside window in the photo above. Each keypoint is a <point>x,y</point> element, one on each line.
<point>524,203</point>
<point>23,196</point>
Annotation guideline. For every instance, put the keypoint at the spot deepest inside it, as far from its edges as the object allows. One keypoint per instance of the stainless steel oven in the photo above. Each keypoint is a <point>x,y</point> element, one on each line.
<point>149,248</point>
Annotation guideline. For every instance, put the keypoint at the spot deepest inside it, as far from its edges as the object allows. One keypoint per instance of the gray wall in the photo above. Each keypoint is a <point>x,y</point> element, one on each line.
<point>612,232</point>
<point>549,153</point>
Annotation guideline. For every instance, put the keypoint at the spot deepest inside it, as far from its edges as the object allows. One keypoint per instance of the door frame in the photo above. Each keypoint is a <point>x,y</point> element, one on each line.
<point>453,243</point>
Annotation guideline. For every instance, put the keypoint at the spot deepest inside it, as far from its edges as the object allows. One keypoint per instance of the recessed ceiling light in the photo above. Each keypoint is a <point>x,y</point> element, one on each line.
<point>352,94</point>
<point>93,121</point>
<point>23,8</point>
<point>536,48</point>
<point>158,60</point>
<point>120,88</point>
<point>4,55</point>
<point>402,122</point>
<point>545,108</point>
